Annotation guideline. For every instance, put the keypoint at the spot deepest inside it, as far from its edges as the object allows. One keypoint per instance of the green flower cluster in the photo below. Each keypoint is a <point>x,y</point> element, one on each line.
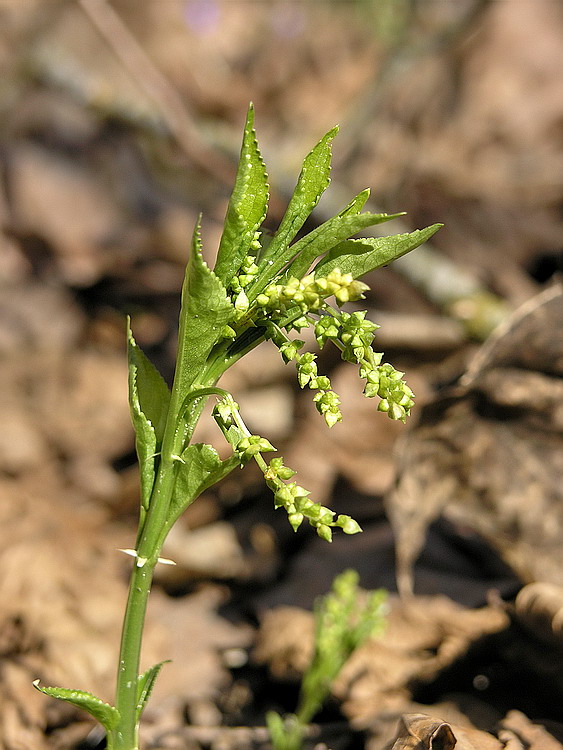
<point>326,400</point>
<point>384,381</point>
<point>248,270</point>
<point>250,446</point>
<point>353,334</point>
<point>299,506</point>
<point>310,293</point>
<point>352,330</point>
<point>291,496</point>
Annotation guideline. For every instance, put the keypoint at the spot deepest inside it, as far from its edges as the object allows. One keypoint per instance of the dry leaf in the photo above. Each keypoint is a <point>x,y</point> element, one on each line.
<point>420,732</point>
<point>489,454</point>
<point>518,732</point>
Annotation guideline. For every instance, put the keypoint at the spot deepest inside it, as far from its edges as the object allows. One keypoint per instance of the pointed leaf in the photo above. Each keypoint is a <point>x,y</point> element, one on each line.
<point>312,182</point>
<point>247,206</point>
<point>359,257</point>
<point>107,715</point>
<point>146,684</point>
<point>322,239</point>
<point>149,399</point>
<point>153,393</point>
<point>206,309</point>
<point>200,468</point>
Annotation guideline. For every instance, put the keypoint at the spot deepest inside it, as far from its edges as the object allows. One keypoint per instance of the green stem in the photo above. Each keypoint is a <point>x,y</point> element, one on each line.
<point>126,736</point>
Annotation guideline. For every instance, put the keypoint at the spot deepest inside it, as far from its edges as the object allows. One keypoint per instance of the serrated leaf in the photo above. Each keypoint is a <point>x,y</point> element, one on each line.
<point>312,182</point>
<point>361,256</point>
<point>107,715</point>
<point>247,206</point>
<point>322,239</point>
<point>206,309</point>
<point>153,393</point>
<point>200,468</point>
<point>146,685</point>
<point>149,399</point>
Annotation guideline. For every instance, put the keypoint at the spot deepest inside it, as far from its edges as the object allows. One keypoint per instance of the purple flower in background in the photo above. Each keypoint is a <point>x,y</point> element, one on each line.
<point>202,16</point>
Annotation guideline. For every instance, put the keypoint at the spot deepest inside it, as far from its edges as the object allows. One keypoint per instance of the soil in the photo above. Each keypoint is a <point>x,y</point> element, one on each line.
<point>120,122</point>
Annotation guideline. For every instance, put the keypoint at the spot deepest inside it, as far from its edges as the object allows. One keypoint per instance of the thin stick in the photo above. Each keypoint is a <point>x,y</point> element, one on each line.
<point>157,86</point>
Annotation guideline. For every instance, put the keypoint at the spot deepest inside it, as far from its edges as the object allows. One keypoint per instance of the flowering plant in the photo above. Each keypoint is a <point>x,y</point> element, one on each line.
<point>257,291</point>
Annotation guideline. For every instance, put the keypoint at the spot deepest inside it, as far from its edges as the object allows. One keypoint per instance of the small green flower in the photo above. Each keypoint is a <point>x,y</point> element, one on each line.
<point>251,445</point>
<point>321,382</point>
<point>241,302</point>
<point>277,469</point>
<point>325,532</point>
<point>289,349</point>
<point>327,404</point>
<point>327,328</point>
<point>385,382</point>
<point>306,368</point>
<point>348,524</point>
<point>224,410</point>
<point>295,520</point>
<point>228,332</point>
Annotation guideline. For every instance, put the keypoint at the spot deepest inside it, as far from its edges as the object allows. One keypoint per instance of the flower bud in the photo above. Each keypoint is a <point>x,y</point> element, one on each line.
<point>295,520</point>
<point>348,525</point>
<point>325,532</point>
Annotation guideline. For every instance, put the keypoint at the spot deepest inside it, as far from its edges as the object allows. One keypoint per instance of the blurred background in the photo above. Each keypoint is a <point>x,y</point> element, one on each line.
<point>120,121</point>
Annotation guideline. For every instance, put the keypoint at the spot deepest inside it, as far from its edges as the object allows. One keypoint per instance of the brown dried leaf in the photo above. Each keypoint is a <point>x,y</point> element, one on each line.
<point>489,454</point>
<point>469,133</point>
<point>68,208</point>
<point>517,729</point>
<point>420,732</point>
<point>541,606</point>
<point>285,641</point>
<point>422,638</point>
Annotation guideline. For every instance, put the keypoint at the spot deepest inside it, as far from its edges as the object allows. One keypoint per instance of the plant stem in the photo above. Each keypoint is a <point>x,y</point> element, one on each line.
<point>125,737</point>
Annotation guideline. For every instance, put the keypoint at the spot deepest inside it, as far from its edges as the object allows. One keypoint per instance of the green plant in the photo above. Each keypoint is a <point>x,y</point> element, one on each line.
<point>344,619</point>
<point>257,291</point>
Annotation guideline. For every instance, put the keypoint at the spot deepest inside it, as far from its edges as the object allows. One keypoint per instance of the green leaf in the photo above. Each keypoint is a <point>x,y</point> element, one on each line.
<point>361,256</point>
<point>152,391</point>
<point>146,684</point>
<point>206,309</point>
<point>312,182</point>
<point>149,399</point>
<point>247,206</point>
<point>322,239</point>
<point>201,467</point>
<point>107,715</point>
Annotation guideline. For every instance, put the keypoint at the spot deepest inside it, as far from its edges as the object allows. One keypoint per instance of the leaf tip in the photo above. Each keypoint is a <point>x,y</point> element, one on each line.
<point>432,229</point>
<point>250,116</point>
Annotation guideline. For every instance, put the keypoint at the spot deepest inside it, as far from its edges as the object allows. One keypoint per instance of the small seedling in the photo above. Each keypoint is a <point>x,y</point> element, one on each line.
<point>344,619</point>
<point>257,292</point>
